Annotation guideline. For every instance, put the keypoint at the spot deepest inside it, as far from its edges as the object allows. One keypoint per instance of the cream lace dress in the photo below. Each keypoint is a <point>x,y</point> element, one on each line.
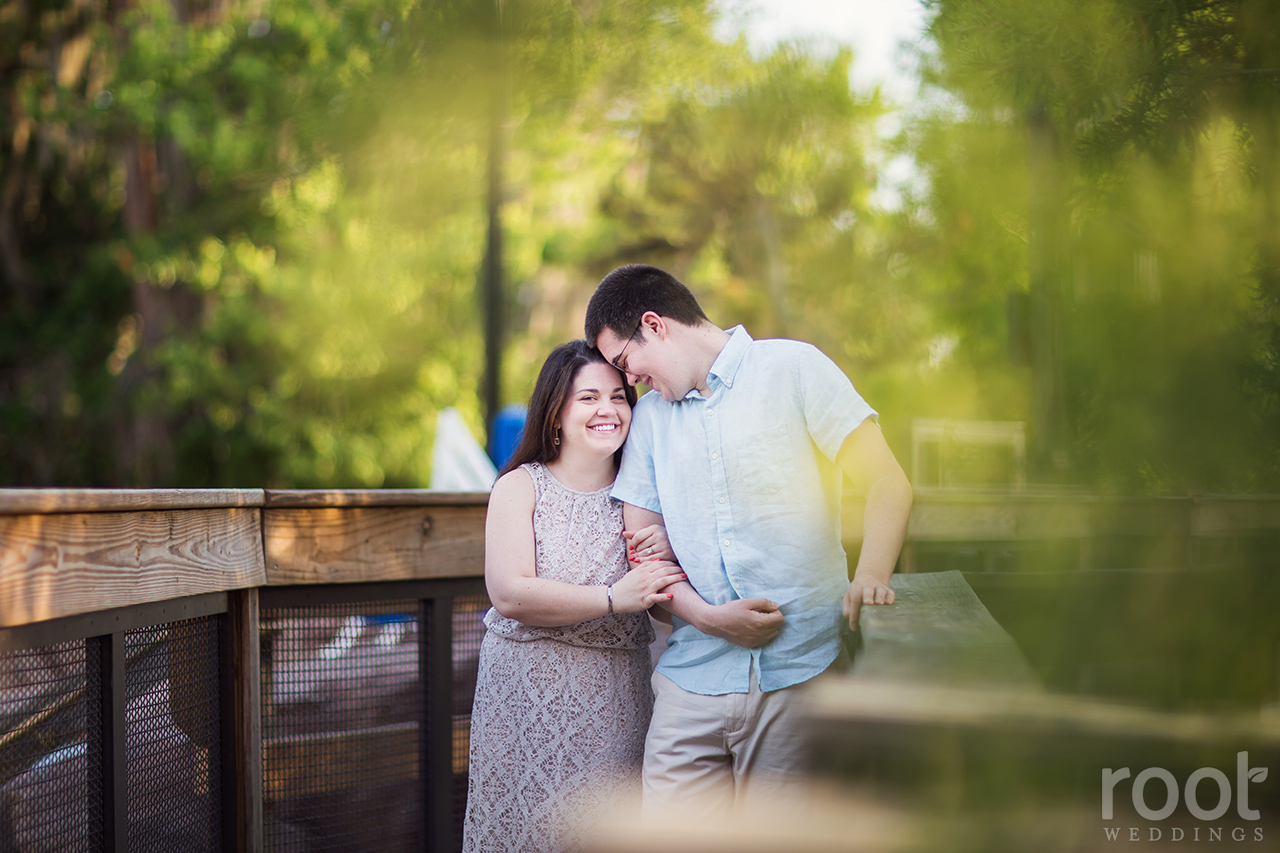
<point>560,714</point>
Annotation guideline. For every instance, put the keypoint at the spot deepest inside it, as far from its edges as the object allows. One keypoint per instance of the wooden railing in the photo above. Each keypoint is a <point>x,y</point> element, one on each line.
<point>81,570</point>
<point>93,569</point>
<point>948,735</point>
<point>1077,531</point>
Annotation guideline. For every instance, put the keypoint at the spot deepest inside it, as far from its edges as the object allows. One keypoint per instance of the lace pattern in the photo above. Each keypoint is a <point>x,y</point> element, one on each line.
<point>560,714</point>
<point>557,740</point>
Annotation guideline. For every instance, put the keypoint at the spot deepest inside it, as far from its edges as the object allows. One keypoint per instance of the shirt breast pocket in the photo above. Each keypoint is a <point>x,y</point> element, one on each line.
<point>764,461</point>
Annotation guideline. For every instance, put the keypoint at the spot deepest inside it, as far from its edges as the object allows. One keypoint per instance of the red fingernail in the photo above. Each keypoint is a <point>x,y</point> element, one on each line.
<point>671,595</point>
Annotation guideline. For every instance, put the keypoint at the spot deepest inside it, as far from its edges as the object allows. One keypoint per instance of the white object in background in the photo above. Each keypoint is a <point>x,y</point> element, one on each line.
<point>391,634</point>
<point>346,637</point>
<point>458,462</point>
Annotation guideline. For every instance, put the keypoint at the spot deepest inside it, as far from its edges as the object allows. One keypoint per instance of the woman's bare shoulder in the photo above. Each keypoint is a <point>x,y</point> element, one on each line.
<point>513,489</point>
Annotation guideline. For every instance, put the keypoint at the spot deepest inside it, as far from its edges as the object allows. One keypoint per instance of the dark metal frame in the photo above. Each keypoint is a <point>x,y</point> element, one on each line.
<point>114,621</point>
<point>114,778</point>
<point>435,676</point>
<point>104,632</point>
<point>304,595</point>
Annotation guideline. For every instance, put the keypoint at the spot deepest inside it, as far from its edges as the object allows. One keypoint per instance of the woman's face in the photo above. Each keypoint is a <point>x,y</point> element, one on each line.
<point>596,416</point>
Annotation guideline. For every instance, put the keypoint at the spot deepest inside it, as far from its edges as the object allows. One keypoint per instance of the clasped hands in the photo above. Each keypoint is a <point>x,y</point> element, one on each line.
<point>747,622</point>
<point>646,583</point>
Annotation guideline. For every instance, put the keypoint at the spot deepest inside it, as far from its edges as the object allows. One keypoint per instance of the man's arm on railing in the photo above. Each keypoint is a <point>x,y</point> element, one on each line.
<point>866,459</point>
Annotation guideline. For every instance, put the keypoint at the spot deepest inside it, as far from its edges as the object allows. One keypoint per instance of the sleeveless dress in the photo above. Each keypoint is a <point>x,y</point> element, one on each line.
<point>560,714</point>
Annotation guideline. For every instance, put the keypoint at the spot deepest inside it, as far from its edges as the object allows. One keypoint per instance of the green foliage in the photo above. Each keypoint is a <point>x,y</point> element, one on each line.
<point>1141,126</point>
<point>281,219</point>
<point>146,150</point>
<point>241,247</point>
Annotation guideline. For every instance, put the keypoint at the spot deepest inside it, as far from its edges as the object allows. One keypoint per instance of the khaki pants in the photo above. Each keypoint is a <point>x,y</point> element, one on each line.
<point>717,753</point>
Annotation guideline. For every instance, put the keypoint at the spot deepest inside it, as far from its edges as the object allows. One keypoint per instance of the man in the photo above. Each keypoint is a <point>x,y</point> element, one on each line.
<point>739,454</point>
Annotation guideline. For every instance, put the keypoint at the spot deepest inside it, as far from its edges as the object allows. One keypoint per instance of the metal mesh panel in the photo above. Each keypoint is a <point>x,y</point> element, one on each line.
<point>172,744</point>
<point>341,705</point>
<point>468,631</point>
<point>47,747</point>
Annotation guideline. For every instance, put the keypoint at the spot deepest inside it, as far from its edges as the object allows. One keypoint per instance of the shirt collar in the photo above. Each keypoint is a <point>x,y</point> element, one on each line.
<point>725,367</point>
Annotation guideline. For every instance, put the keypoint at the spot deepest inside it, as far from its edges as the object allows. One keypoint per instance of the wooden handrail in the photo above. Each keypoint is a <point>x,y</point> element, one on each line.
<point>70,552</point>
<point>66,552</point>
<point>937,632</point>
<point>66,564</point>
<point>309,499</point>
<point>47,501</point>
<point>940,705</point>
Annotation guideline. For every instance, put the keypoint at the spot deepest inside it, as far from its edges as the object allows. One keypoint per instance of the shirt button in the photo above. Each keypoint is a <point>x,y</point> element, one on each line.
<point>726,543</point>
<point>722,500</point>
<point>715,455</point>
<point>711,411</point>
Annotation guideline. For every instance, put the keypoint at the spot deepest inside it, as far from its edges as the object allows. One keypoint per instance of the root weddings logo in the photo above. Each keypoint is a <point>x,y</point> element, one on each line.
<point>1208,794</point>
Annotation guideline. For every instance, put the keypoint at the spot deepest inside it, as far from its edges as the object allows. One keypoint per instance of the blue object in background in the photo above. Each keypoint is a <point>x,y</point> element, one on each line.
<point>389,618</point>
<point>508,425</point>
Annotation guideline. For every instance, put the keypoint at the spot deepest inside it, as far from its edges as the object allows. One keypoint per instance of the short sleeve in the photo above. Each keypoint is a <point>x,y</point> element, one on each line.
<point>832,407</point>
<point>637,482</point>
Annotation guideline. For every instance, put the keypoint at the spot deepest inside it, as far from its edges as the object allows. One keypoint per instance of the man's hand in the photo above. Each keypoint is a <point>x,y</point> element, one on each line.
<point>862,592</point>
<point>649,543</point>
<point>746,622</point>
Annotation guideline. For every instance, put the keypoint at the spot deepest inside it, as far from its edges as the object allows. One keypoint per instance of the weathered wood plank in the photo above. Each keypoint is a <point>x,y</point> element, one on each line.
<point>844,701</point>
<point>952,517</point>
<point>296,498</point>
<point>37,501</point>
<point>807,817</point>
<point>312,765</point>
<point>984,747</point>
<point>941,704</point>
<point>937,631</point>
<point>1230,515</point>
<point>66,564</point>
<point>999,520</point>
<point>351,545</point>
<point>1114,516</point>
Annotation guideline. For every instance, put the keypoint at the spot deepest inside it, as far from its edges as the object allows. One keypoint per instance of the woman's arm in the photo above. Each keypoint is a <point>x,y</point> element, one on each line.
<point>518,593</point>
<point>746,622</point>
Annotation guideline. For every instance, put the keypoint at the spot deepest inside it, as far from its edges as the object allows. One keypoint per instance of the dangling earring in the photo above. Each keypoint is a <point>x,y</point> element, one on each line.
<point>557,439</point>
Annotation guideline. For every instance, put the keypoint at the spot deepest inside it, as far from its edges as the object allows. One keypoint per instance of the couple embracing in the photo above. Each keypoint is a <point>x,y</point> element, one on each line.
<point>725,480</point>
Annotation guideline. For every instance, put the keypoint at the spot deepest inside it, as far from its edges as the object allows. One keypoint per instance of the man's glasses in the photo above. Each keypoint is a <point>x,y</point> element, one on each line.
<point>618,362</point>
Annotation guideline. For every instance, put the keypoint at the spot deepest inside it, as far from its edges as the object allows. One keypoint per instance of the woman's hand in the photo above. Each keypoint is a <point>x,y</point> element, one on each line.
<point>649,543</point>
<point>644,586</point>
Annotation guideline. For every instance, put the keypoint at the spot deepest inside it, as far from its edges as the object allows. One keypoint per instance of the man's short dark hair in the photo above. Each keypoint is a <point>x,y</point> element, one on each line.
<point>625,294</point>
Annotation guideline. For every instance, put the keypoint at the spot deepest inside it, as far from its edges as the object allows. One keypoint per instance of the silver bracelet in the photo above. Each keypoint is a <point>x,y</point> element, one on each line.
<point>609,592</point>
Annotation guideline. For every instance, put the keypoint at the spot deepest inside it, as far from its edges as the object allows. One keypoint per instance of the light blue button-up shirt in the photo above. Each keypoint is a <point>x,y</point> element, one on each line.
<point>747,485</point>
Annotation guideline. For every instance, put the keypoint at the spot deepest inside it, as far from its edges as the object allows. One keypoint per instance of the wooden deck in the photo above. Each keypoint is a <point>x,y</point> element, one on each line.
<point>943,713</point>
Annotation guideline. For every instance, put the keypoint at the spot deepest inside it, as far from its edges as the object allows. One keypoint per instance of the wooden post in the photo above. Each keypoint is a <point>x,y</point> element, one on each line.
<point>435,742</point>
<point>114,773</point>
<point>242,724</point>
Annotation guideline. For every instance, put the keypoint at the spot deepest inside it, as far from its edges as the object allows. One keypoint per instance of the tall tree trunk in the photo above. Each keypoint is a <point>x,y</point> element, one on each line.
<point>491,274</point>
<point>157,186</point>
<point>1049,458</point>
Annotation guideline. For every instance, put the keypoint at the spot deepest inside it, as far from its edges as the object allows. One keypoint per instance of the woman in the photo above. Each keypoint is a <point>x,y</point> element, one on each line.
<point>563,699</point>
